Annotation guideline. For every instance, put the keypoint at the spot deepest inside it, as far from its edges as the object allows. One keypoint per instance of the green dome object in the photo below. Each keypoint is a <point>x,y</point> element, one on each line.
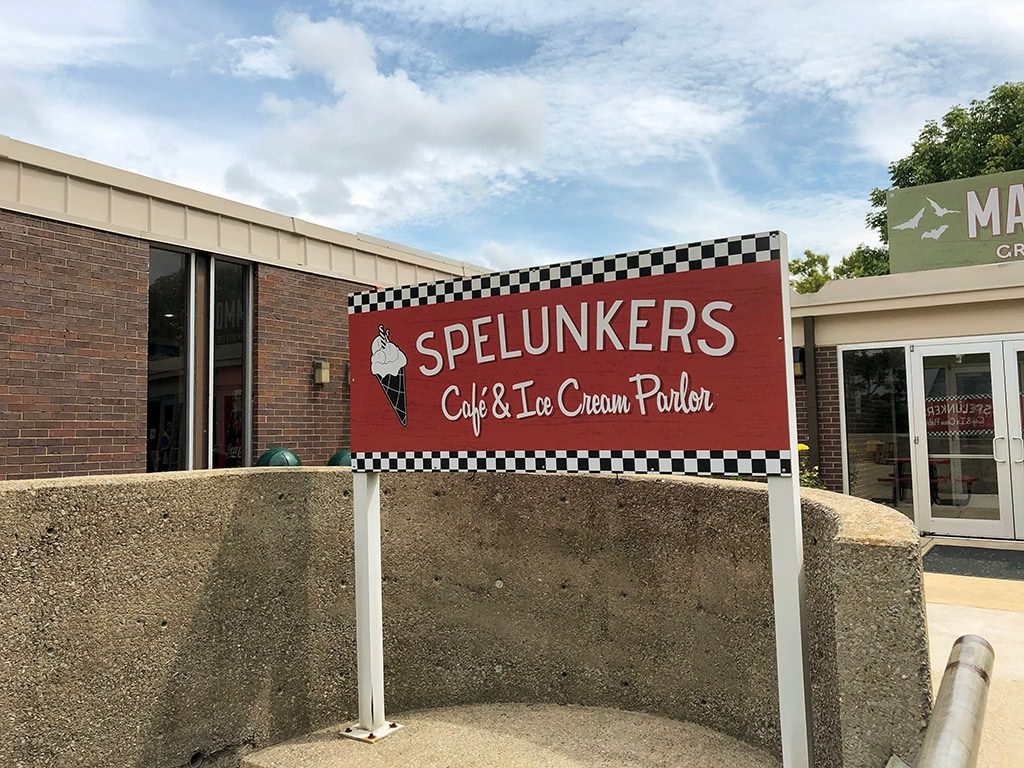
<point>342,458</point>
<point>278,457</point>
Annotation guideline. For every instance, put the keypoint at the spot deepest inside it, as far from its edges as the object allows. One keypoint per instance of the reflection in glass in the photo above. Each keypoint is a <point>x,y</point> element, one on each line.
<point>878,427</point>
<point>167,391</point>
<point>960,427</point>
<point>230,311</point>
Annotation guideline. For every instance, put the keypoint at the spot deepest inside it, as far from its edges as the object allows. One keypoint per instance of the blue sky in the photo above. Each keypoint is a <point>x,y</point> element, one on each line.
<point>517,132</point>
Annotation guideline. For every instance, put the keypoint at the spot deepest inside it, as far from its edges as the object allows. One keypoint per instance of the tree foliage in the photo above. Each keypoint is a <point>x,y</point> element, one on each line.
<point>811,272</point>
<point>987,136</point>
<point>864,261</point>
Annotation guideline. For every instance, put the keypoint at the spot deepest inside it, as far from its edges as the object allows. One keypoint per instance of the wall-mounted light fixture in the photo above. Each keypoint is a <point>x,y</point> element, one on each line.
<point>321,372</point>
<point>798,362</point>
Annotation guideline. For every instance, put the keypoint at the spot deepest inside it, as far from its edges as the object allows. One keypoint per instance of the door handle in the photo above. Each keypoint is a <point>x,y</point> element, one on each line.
<point>1020,456</point>
<point>995,453</point>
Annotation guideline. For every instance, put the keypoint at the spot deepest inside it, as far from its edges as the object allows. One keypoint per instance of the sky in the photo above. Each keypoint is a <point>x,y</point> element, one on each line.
<point>510,133</point>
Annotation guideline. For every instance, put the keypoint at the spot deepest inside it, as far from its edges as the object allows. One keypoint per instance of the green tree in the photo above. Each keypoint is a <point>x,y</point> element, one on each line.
<point>987,136</point>
<point>811,272</point>
<point>864,261</point>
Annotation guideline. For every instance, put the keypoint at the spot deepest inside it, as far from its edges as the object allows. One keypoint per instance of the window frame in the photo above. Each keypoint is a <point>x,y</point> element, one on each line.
<point>841,370</point>
<point>191,407</point>
<point>188,417</point>
<point>248,328</point>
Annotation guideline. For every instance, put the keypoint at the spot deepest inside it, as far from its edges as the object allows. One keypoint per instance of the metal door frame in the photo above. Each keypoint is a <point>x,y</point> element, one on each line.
<point>1015,419</point>
<point>1003,528</point>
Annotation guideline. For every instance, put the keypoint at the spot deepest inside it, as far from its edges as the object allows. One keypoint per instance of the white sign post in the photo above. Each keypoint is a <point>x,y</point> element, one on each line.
<point>790,636</point>
<point>373,724</point>
<point>788,590</point>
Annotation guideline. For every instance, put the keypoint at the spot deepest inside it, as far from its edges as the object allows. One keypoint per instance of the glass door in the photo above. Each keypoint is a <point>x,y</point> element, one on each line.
<point>229,364</point>
<point>961,447</point>
<point>169,396</point>
<point>1013,357</point>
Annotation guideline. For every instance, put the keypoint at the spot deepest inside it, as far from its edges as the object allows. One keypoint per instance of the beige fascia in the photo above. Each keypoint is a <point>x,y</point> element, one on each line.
<point>41,182</point>
<point>941,303</point>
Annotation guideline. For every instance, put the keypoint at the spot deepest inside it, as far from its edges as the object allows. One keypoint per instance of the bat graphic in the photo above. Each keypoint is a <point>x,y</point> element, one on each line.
<point>934,234</point>
<point>911,223</point>
<point>939,210</point>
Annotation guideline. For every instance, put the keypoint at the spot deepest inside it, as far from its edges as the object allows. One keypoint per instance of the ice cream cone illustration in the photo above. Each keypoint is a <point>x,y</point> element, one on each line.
<point>387,362</point>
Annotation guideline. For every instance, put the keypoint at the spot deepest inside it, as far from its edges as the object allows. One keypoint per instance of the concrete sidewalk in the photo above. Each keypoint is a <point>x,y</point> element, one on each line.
<point>522,736</point>
<point>994,609</point>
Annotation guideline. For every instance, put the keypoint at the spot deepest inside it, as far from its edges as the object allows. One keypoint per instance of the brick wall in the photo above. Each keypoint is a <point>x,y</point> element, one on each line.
<point>801,411</point>
<point>829,436</point>
<point>73,350</point>
<point>73,357</point>
<point>299,318</point>
<point>830,464</point>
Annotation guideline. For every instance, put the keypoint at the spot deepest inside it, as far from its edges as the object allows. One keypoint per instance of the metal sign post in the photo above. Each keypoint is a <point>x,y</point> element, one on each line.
<point>788,590</point>
<point>790,635</point>
<point>373,724</point>
<point>671,360</point>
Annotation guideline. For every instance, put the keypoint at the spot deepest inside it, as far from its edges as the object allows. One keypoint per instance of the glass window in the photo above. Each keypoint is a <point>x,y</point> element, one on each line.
<point>878,426</point>
<point>959,424</point>
<point>167,390</point>
<point>205,357</point>
<point>230,352</point>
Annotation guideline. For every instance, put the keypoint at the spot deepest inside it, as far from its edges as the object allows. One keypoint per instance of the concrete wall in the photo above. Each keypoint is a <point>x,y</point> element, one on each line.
<point>151,618</point>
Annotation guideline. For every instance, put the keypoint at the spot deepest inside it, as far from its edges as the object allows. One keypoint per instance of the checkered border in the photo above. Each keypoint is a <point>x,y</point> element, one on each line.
<point>957,432</point>
<point>724,252</point>
<point>750,463</point>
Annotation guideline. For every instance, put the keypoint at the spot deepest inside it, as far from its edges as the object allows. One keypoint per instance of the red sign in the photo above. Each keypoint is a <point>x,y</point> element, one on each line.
<point>959,415</point>
<point>672,360</point>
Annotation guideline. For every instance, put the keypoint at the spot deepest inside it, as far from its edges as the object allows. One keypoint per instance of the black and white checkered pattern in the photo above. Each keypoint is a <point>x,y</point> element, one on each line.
<point>724,252</point>
<point>748,463</point>
<point>943,400</point>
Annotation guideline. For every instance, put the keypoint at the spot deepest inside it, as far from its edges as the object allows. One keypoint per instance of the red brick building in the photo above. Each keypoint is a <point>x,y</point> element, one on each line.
<point>148,327</point>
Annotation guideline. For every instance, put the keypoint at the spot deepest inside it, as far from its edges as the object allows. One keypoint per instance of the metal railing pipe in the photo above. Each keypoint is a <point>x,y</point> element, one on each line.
<point>954,731</point>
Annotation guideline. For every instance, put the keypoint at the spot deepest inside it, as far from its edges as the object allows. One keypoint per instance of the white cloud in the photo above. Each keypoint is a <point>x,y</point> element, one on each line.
<point>391,149</point>
<point>830,223</point>
<point>81,122</point>
<point>36,38</point>
<point>386,149</point>
<point>601,125</point>
<point>730,58</point>
<point>258,56</point>
<point>645,99</point>
<point>511,255</point>
<point>883,134</point>
<point>20,113</point>
<point>518,16</point>
<point>47,103</point>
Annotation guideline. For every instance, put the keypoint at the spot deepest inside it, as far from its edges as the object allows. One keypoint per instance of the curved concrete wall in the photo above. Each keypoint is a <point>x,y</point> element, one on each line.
<point>149,618</point>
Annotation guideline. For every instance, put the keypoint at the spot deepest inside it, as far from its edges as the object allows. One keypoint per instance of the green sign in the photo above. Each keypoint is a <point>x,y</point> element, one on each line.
<point>957,223</point>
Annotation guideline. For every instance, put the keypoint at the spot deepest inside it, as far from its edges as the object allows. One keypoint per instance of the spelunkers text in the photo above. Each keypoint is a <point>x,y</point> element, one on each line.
<point>638,325</point>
